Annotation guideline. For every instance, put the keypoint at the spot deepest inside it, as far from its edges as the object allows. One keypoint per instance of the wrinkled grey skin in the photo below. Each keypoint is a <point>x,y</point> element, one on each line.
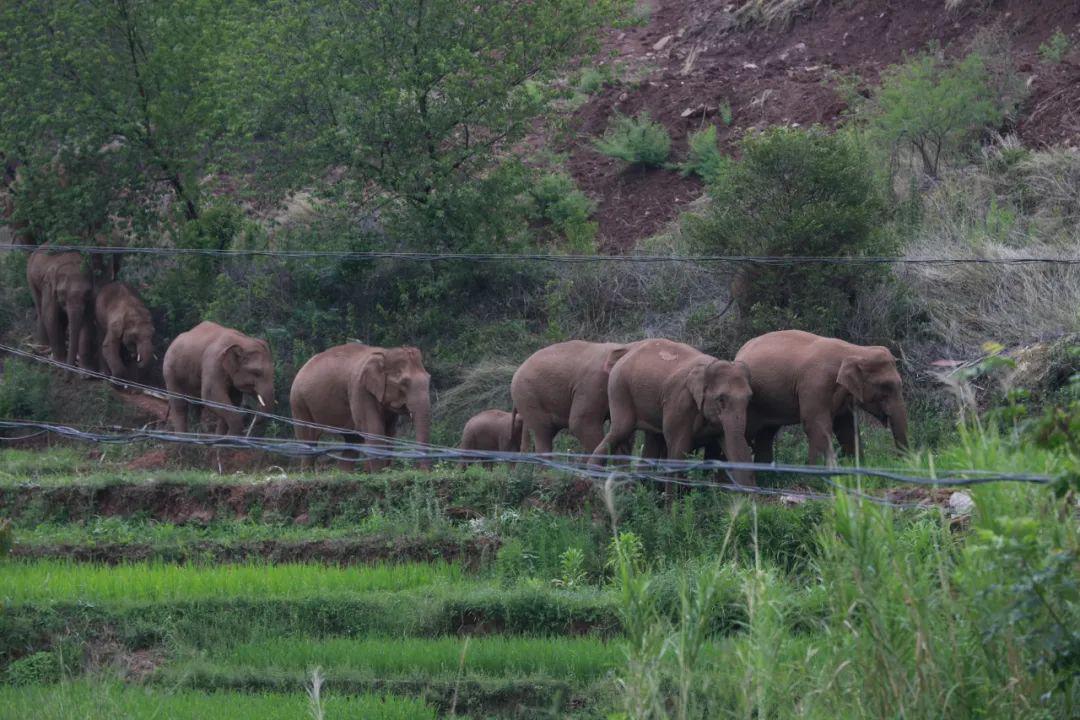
<point>221,365</point>
<point>364,389</point>
<point>62,290</point>
<point>676,392</point>
<point>802,378</point>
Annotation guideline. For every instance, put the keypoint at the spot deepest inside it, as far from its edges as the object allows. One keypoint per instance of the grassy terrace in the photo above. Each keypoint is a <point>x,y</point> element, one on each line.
<point>83,700</point>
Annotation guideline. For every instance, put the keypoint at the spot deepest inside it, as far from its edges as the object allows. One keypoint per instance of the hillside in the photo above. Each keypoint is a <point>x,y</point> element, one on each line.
<point>688,59</point>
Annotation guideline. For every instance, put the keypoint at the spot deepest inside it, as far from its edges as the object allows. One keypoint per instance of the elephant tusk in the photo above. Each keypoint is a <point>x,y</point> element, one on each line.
<point>261,401</point>
<point>138,357</point>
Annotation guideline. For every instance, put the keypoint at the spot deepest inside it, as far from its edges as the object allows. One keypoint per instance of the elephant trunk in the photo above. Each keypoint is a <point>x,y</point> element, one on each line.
<point>897,415</point>
<point>420,405</point>
<point>736,449</point>
<point>76,317</point>
<point>144,353</point>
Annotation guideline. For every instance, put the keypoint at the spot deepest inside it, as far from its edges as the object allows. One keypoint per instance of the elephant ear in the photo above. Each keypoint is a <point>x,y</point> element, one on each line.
<point>851,377</point>
<point>373,375</point>
<point>231,359</point>
<point>696,382</point>
<point>614,356</point>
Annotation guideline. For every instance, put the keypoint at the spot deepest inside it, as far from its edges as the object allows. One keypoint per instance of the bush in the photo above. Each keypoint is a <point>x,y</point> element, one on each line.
<point>24,391</point>
<point>796,192</point>
<point>559,201</point>
<point>638,141</point>
<point>40,668</point>
<point>704,158</point>
<point>1056,48</point>
<point>938,109</point>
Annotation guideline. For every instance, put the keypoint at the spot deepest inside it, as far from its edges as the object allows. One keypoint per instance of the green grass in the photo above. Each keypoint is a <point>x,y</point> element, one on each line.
<point>49,581</point>
<point>582,659</point>
<point>83,700</point>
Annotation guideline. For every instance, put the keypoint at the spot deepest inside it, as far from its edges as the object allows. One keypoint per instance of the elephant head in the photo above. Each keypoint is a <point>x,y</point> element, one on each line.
<point>250,368</point>
<point>721,390</point>
<point>397,379</point>
<point>138,340</point>
<point>872,380</point>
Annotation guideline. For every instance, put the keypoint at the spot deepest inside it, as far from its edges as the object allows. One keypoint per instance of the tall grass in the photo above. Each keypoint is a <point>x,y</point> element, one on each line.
<point>58,581</point>
<point>82,700</point>
<point>581,659</point>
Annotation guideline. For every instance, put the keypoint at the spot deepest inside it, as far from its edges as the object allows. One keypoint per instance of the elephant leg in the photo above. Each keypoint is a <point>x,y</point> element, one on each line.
<point>307,435</point>
<point>680,443</point>
<point>40,329</point>
<point>588,429</point>
<point>543,437</point>
<point>654,448</point>
<point>620,433</point>
<point>762,444</point>
<point>54,327</point>
<point>110,355</point>
<point>233,421</point>
<point>844,429</point>
<point>819,432</point>
<point>345,463</point>
<point>178,414</point>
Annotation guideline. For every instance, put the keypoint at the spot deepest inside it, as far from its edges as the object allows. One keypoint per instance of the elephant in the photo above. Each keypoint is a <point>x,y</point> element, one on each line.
<point>221,365</point>
<point>495,430</point>
<point>679,393</point>
<point>563,386</point>
<point>798,377</point>
<point>365,389</point>
<point>62,290</point>
<point>126,331</point>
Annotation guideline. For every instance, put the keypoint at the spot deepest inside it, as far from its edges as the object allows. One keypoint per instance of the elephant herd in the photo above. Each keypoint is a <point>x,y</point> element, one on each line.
<point>680,398</point>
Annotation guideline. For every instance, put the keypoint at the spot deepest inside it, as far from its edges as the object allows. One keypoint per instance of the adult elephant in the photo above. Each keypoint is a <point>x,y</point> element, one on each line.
<point>220,365</point>
<point>679,393</point>
<point>799,377</point>
<point>564,386</point>
<point>494,430</point>
<point>125,329</point>
<point>63,294</point>
<point>364,389</point>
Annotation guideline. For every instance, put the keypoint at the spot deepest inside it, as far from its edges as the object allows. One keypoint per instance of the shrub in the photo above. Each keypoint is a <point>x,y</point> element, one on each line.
<point>796,192</point>
<point>638,141</point>
<point>40,668</point>
<point>704,158</point>
<point>1055,49</point>
<point>937,108</point>
<point>559,201</point>
<point>591,80</point>
<point>24,391</point>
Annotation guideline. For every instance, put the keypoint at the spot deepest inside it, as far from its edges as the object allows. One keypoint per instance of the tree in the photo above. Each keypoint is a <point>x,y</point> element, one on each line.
<point>419,99</point>
<point>109,104</point>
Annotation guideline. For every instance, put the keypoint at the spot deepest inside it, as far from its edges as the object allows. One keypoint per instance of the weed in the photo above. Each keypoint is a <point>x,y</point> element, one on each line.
<point>1056,48</point>
<point>637,141</point>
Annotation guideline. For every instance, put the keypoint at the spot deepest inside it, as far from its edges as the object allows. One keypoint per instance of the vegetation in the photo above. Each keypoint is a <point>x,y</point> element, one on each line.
<point>804,193</point>
<point>70,701</point>
<point>637,141</point>
<point>50,581</point>
<point>704,157</point>
<point>1055,48</point>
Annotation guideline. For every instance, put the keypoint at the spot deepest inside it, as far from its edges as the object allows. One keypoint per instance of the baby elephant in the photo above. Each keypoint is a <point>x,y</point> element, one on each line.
<point>494,430</point>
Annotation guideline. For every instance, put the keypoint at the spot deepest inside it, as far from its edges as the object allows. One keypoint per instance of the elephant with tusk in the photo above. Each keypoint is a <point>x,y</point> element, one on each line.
<point>818,382</point>
<point>221,365</point>
<point>126,330</point>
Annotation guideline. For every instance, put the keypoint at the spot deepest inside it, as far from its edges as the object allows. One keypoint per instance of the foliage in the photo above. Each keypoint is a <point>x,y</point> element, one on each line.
<point>414,107</point>
<point>25,391</point>
<point>559,202</point>
<point>636,140</point>
<point>7,540</point>
<point>704,157</point>
<point>109,105</point>
<point>1055,48</point>
<point>796,192</point>
<point>38,668</point>
<point>937,108</point>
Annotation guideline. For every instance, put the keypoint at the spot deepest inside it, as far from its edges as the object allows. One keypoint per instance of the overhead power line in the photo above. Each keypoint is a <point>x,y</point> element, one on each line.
<point>371,255</point>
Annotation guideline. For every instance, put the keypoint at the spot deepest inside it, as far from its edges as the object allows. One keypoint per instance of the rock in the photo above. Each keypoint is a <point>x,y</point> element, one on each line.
<point>749,66</point>
<point>662,43</point>
<point>960,503</point>
<point>302,519</point>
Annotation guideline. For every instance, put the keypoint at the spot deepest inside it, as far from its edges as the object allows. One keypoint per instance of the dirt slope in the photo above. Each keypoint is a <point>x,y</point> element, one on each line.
<point>691,58</point>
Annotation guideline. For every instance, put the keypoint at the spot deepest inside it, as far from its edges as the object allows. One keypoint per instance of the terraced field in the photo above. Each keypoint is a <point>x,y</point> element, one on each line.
<point>187,594</point>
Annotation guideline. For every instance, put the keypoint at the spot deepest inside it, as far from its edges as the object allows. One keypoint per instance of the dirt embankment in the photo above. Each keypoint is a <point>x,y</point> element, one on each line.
<point>691,59</point>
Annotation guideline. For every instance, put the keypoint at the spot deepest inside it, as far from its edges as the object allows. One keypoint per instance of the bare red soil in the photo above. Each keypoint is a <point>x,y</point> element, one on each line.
<point>691,59</point>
